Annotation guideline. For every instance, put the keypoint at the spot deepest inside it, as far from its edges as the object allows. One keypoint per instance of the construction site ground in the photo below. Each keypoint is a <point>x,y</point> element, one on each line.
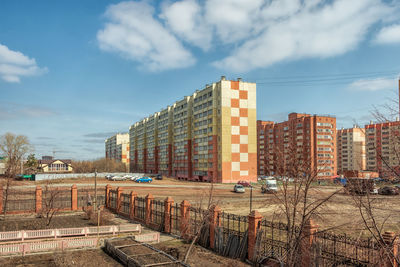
<point>340,213</point>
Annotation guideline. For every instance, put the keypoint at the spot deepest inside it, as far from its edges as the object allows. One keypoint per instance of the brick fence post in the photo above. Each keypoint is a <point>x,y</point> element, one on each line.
<point>1,199</point>
<point>168,202</point>
<point>185,217</point>
<point>38,199</point>
<point>389,249</point>
<point>306,240</point>
<point>107,195</point>
<point>74,197</point>
<point>215,221</point>
<point>254,219</point>
<point>149,208</point>
<point>119,199</point>
<point>132,205</point>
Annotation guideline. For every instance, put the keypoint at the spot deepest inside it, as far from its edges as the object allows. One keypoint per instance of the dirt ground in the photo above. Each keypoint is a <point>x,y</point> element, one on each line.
<point>199,256</point>
<point>63,220</point>
<point>339,213</point>
<point>81,258</point>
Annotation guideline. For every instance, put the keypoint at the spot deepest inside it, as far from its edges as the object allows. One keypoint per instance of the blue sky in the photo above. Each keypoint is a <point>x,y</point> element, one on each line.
<point>74,72</point>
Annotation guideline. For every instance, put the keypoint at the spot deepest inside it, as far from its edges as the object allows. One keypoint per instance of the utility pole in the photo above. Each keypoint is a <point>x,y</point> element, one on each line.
<point>95,202</point>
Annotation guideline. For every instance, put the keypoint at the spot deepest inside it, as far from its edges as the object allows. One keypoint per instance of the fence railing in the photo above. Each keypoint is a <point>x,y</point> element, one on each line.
<point>30,247</point>
<point>64,232</point>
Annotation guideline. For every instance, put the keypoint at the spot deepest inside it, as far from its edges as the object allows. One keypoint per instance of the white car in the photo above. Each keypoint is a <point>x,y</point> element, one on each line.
<point>109,176</point>
<point>118,178</point>
<point>127,177</point>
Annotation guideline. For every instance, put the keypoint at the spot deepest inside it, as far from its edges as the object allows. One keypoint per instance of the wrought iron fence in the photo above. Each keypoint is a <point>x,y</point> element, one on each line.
<point>330,249</point>
<point>140,208</point>
<point>125,203</point>
<point>274,240</point>
<point>233,224</point>
<point>197,218</point>
<point>61,199</point>
<point>84,193</point>
<point>175,219</point>
<point>113,199</point>
<point>19,200</point>
<point>157,213</point>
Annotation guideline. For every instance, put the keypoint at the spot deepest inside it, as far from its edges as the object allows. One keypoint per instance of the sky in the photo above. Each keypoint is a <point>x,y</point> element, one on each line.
<point>73,73</point>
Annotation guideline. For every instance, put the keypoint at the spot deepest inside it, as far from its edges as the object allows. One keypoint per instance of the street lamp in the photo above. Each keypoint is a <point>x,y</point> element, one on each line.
<point>96,209</point>
<point>251,197</point>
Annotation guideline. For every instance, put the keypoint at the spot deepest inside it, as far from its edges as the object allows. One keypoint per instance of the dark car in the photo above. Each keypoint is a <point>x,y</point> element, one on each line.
<point>388,190</point>
<point>159,177</point>
<point>244,183</point>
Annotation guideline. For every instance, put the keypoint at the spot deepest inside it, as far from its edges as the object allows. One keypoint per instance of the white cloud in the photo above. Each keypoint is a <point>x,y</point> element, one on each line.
<point>375,84</point>
<point>389,35</point>
<point>14,65</point>
<point>185,19</point>
<point>253,34</point>
<point>316,31</point>
<point>134,33</point>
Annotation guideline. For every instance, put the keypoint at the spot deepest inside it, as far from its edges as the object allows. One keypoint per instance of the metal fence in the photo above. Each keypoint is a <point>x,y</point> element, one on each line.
<point>175,219</point>
<point>198,218</point>
<point>88,194</point>
<point>274,240</point>
<point>157,213</point>
<point>59,199</point>
<point>140,208</point>
<point>233,225</point>
<point>330,249</point>
<point>125,201</point>
<point>113,199</point>
<point>19,200</point>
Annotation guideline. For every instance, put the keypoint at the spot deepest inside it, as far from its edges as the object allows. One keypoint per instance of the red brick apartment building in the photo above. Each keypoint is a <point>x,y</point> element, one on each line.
<point>383,147</point>
<point>312,137</point>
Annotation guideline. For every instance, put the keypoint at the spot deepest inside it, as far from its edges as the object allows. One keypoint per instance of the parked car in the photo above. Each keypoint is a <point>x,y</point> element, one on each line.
<point>238,188</point>
<point>109,176</point>
<point>159,177</point>
<point>127,177</point>
<point>361,186</point>
<point>118,178</point>
<point>244,183</point>
<point>378,180</point>
<point>144,180</point>
<point>388,190</point>
<point>270,186</point>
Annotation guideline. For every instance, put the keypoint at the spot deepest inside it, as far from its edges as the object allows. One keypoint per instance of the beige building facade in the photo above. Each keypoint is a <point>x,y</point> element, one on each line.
<point>117,148</point>
<point>351,152</point>
<point>207,136</point>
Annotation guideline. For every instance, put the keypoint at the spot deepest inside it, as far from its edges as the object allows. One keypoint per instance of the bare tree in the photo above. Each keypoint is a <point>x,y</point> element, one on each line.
<point>203,208</point>
<point>49,202</point>
<point>298,198</point>
<point>14,148</point>
<point>101,165</point>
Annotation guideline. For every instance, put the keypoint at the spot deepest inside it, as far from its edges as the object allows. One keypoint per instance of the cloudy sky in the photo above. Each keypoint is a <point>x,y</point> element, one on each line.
<point>74,72</point>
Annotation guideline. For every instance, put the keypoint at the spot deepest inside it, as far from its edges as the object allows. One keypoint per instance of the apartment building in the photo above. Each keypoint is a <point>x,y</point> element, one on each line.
<point>207,136</point>
<point>351,150</point>
<point>117,148</point>
<point>382,147</point>
<point>311,139</point>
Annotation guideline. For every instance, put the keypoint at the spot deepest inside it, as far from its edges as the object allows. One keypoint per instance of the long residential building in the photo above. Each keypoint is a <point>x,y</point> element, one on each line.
<point>383,148</point>
<point>117,148</point>
<point>207,136</point>
<point>351,154</point>
<point>311,139</point>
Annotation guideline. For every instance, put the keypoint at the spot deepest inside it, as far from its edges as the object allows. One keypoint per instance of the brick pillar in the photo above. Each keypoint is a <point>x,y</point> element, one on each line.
<point>74,197</point>
<point>389,249</point>
<point>1,199</point>
<point>119,199</point>
<point>38,199</point>
<point>108,188</point>
<point>132,205</point>
<point>185,216</point>
<point>149,208</point>
<point>168,202</point>
<point>254,219</point>
<point>306,240</point>
<point>215,221</point>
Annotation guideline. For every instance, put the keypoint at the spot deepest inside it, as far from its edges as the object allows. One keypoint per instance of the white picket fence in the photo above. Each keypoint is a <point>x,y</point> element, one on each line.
<point>65,232</point>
